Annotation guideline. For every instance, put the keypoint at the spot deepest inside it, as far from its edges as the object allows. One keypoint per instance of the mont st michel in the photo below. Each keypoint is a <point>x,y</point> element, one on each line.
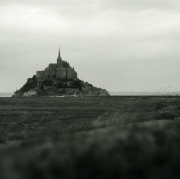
<point>58,80</point>
<point>97,89</point>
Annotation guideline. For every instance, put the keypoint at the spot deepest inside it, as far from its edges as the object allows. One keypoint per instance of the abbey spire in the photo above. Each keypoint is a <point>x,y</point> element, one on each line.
<point>59,52</point>
<point>59,59</point>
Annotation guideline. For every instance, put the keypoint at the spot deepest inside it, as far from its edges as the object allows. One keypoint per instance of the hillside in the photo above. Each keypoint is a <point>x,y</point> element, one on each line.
<point>51,86</point>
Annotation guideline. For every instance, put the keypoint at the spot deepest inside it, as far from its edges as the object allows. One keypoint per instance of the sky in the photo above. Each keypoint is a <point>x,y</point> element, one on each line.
<point>118,45</point>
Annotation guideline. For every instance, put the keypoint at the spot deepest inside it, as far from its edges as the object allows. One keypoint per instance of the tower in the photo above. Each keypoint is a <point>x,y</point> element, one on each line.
<point>59,60</point>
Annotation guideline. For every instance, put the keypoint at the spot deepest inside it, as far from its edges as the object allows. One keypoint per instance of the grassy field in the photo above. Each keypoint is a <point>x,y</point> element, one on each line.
<point>95,137</point>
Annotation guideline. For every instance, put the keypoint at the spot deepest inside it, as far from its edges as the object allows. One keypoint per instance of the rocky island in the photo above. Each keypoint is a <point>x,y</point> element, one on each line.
<point>57,80</point>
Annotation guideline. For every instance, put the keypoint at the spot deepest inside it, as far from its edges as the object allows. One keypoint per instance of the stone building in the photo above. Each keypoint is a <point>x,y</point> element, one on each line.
<point>31,92</point>
<point>54,71</point>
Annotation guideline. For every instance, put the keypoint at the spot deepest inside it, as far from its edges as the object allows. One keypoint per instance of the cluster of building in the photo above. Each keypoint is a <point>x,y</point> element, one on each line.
<point>89,90</point>
<point>55,71</point>
<point>31,92</point>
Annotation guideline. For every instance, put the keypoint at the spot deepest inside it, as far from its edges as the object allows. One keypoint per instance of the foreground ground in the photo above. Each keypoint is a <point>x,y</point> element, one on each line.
<point>100,137</point>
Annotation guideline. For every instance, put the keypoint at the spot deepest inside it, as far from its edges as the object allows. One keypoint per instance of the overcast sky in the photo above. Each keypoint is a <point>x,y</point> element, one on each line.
<point>119,45</point>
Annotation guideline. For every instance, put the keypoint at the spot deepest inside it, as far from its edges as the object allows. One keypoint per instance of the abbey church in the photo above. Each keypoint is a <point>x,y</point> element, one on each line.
<point>59,70</point>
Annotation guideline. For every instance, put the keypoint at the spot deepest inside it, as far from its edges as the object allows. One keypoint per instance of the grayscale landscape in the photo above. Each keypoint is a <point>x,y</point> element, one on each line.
<point>89,89</point>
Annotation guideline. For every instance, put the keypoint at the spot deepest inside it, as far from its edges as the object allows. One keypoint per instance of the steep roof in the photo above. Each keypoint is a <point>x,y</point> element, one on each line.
<point>53,65</point>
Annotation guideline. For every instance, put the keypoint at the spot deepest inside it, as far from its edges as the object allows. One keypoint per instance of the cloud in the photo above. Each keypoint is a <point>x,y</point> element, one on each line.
<point>87,9</point>
<point>141,5</point>
<point>112,44</point>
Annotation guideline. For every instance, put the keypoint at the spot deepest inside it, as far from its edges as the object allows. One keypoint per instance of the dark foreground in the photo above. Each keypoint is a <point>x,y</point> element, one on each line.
<point>107,137</point>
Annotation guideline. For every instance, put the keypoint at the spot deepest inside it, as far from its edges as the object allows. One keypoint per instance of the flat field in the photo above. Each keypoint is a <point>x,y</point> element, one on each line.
<point>92,137</point>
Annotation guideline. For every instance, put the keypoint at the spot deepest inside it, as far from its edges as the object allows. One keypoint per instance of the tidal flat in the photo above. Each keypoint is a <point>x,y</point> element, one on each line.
<point>90,137</point>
